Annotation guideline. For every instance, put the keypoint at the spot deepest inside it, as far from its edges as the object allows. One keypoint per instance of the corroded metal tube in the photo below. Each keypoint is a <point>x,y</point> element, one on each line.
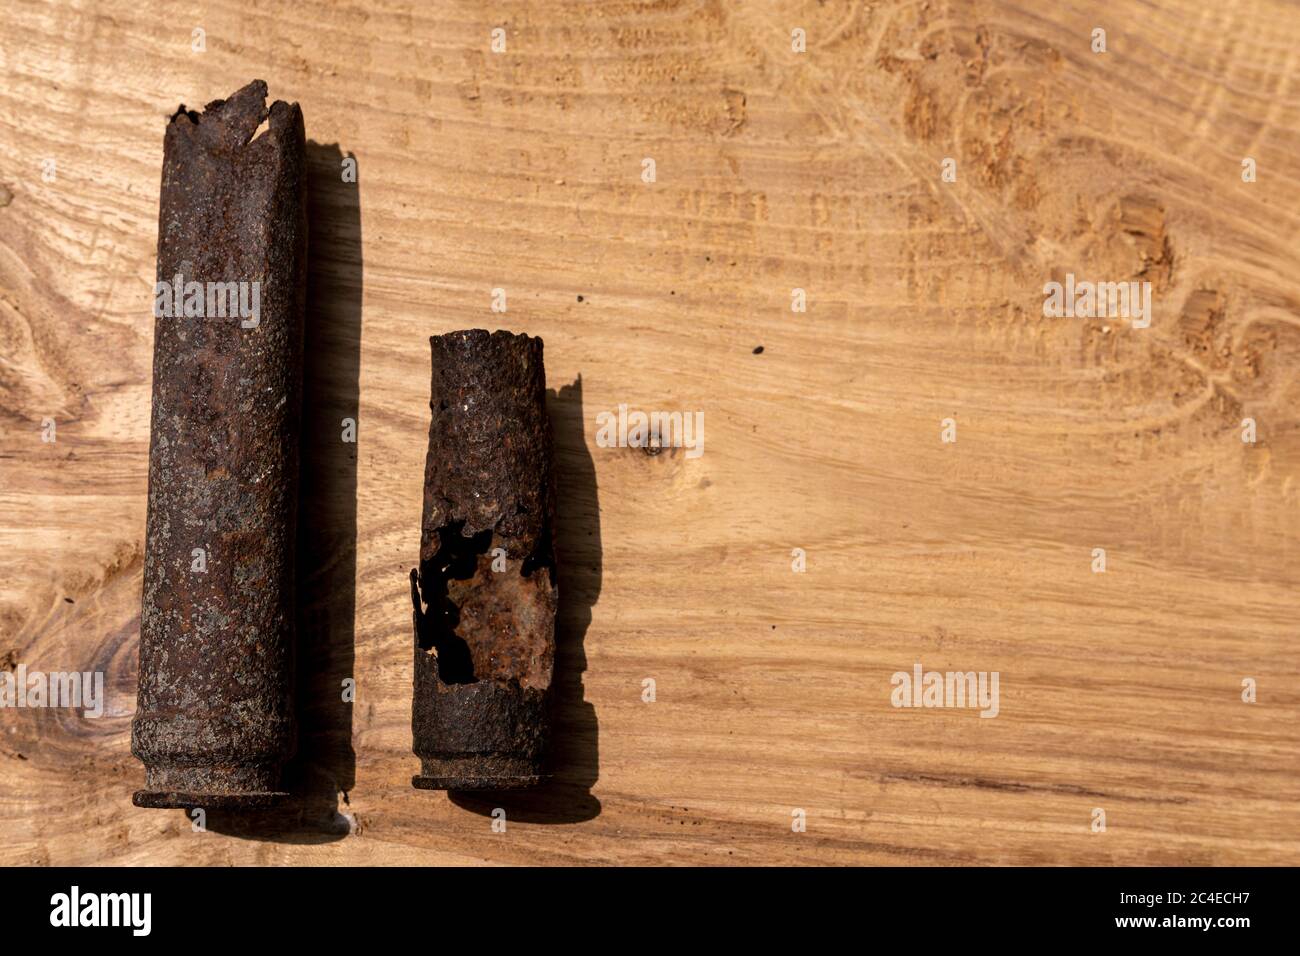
<point>484,595</point>
<point>214,720</point>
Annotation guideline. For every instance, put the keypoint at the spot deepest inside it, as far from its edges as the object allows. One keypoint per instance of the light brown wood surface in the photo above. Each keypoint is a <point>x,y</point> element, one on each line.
<point>776,170</point>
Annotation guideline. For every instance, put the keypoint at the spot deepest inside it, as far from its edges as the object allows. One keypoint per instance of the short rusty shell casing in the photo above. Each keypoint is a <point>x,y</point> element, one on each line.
<point>484,595</point>
<point>214,721</point>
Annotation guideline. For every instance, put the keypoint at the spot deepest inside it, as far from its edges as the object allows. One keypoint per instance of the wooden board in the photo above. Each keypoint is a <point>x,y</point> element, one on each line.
<point>775,170</point>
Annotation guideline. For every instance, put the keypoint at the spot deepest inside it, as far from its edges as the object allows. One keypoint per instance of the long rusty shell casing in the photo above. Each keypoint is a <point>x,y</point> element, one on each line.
<point>214,720</point>
<point>484,595</point>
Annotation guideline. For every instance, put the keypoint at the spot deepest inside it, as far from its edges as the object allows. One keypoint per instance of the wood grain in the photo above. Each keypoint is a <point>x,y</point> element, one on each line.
<point>775,170</point>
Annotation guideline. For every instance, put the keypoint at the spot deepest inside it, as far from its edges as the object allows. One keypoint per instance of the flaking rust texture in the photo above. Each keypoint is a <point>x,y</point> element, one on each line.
<point>214,721</point>
<point>484,595</point>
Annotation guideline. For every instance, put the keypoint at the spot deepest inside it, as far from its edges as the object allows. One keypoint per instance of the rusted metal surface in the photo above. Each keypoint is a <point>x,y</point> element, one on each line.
<point>214,720</point>
<point>484,595</point>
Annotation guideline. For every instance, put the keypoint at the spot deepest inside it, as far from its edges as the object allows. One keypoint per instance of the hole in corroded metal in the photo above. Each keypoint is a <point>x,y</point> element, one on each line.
<point>490,617</point>
<point>542,557</point>
<point>456,560</point>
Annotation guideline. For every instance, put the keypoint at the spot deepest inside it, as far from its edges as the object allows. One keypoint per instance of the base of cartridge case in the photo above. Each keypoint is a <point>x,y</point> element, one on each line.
<point>179,800</point>
<point>210,787</point>
<point>478,772</point>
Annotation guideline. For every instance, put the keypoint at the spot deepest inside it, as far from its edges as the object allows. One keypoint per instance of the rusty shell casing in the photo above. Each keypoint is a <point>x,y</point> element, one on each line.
<point>485,640</point>
<point>214,720</point>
